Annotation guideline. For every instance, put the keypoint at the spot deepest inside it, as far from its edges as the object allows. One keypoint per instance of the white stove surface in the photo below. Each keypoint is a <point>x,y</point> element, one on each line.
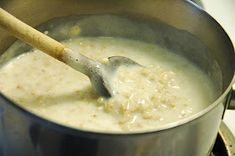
<point>223,12</point>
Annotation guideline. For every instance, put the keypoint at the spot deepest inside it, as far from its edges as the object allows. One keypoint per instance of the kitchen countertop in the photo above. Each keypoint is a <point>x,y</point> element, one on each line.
<point>223,12</point>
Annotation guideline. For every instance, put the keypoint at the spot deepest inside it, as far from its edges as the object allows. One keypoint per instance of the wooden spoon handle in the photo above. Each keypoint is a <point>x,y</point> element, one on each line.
<point>30,35</point>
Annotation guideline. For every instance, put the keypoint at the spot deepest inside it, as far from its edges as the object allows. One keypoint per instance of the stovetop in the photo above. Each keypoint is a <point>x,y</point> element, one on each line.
<point>225,142</point>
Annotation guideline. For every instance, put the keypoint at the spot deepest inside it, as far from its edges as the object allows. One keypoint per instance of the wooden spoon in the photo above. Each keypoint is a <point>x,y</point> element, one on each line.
<point>97,72</point>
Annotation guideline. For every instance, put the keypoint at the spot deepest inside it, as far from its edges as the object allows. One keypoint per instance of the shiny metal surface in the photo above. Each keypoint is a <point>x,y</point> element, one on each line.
<point>225,142</point>
<point>181,27</point>
<point>228,139</point>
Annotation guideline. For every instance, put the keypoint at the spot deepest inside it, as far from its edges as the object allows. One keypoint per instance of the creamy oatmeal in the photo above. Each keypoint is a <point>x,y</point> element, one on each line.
<point>166,89</point>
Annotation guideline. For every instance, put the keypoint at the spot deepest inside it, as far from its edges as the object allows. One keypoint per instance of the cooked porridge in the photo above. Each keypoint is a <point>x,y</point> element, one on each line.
<point>167,88</point>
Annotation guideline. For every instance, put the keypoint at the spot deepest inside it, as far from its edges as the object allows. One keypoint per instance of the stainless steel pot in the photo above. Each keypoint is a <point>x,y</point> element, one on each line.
<point>175,24</point>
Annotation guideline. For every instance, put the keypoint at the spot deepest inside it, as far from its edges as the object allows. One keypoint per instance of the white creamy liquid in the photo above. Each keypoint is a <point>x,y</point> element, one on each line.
<point>168,89</point>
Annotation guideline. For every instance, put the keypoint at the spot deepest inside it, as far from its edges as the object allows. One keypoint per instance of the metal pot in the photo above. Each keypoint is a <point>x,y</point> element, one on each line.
<point>177,25</point>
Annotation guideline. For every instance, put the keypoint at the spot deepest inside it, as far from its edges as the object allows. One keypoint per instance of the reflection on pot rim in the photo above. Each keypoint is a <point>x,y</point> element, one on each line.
<point>190,19</point>
<point>174,124</point>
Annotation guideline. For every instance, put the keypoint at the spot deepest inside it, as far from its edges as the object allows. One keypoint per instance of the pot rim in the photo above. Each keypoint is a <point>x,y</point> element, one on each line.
<point>89,133</point>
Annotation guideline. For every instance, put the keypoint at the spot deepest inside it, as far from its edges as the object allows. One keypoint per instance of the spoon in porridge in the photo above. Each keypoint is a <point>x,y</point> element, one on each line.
<point>98,73</point>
